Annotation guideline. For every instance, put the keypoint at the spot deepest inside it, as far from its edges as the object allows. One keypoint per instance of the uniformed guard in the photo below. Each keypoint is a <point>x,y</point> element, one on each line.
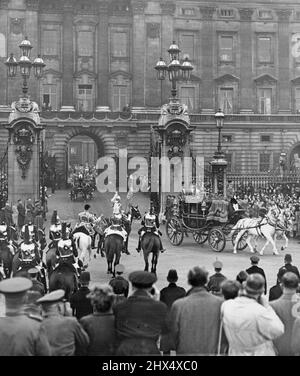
<point>21,333</point>
<point>29,252</point>
<point>150,222</point>
<point>55,228</point>
<point>215,281</point>
<point>66,250</point>
<point>117,228</point>
<point>117,206</point>
<point>119,284</point>
<point>87,220</point>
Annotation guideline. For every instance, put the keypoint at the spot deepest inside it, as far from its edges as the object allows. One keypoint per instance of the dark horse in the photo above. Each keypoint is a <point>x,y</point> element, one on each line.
<point>150,244</point>
<point>134,213</point>
<point>63,277</point>
<point>113,245</point>
<point>6,258</point>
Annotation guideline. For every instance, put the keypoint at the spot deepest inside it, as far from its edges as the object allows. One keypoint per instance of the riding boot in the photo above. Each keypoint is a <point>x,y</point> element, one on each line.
<point>138,249</point>
<point>162,250</point>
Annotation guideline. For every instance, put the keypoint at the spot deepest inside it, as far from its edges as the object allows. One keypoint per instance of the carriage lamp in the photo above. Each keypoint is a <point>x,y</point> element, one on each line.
<point>219,116</point>
<point>176,71</point>
<point>25,64</point>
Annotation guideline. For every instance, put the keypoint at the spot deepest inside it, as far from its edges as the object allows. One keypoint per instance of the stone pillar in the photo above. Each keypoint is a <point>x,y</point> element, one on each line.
<point>283,60</point>
<point>103,59</point>
<point>207,86</point>
<point>138,54</point>
<point>67,58</point>
<point>246,92</point>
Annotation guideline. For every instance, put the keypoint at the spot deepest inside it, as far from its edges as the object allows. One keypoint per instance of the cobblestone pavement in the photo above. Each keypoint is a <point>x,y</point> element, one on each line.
<point>181,258</point>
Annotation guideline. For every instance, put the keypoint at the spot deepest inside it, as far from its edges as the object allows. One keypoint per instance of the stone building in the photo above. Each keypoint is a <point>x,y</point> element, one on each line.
<point>100,57</point>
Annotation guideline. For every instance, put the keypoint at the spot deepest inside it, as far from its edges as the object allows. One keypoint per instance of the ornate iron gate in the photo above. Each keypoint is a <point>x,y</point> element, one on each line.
<point>4,178</point>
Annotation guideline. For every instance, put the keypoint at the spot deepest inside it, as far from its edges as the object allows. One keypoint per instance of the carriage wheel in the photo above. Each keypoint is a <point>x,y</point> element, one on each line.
<point>174,231</point>
<point>216,240</point>
<point>242,242</point>
<point>200,237</point>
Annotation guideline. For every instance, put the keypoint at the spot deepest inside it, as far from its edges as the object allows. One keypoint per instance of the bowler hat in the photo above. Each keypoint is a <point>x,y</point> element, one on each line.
<point>172,275</point>
<point>254,259</point>
<point>217,265</point>
<point>142,279</point>
<point>85,277</point>
<point>52,297</point>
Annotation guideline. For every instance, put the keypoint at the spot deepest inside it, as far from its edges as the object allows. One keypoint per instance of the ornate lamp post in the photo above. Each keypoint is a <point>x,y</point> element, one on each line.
<point>219,162</point>
<point>25,65</point>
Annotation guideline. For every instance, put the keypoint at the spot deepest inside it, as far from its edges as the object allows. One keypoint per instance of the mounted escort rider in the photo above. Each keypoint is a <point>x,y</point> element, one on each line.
<point>117,228</point>
<point>150,223</point>
<point>86,223</point>
<point>55,229</point>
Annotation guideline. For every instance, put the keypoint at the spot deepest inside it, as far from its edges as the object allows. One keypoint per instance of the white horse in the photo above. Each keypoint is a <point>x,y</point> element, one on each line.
<point>289,227</point>
<point>260,227</point>
<point>83,244</point>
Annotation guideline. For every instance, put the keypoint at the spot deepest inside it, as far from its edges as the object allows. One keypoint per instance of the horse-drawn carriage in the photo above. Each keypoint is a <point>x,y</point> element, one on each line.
<point>82,184</point>
<point>206,221</point>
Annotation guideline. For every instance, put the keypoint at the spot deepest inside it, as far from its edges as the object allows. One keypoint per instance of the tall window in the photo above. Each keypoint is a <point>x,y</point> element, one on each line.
<point>50,42</point>
<point>264,162</point>
<point>119,44</point>
<point>120,97</point>
<point>297,99</point>
<point>188,97</point>
<point>226,100</point>
<point>226,52</point>
<point>85,97</point>
<point>187,43</point>
<point>85,43</point>
<point>265,101</point>
<point>264,50</point>
<point>229,159</point>
<point>49,97</point>
<point>2,45</point>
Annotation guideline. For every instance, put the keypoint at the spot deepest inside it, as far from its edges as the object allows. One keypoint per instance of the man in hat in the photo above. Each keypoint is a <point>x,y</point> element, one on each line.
<point>195,319</point>
<point>29,211</point>
<point>215,281</point>
<point>140,319</point>
<point>20,333</point>
<point>21,214</point>
<point>250,323</point>
<point>86,220</point>
<point>254,268</point>
<point>8,214</point>
<point>119,284</point>
<point>65,334</point>
<point>288,267</point>
<point>172,292</point>
<point>55,228</point>
<point>80,304</point>
<point>66,250</point>
<point>36,285</point>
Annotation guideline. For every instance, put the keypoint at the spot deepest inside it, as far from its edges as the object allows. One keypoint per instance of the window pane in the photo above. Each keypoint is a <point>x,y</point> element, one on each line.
<point>119,44</point>
<point>187,97</point>
<point>264,49</point>
<point>187,46</point>
<point>49,97</point>
<point>50,42</point>
<point>297,99</point>
<point>226,100</point>
<point>265,102</point>
<point>120,97</point>
<point>226,48</point>
<point>85,43</point>
<point>85,98</point>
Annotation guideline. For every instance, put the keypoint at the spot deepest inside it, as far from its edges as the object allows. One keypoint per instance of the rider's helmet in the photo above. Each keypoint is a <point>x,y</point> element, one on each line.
<point>116,219</point>
<point>55,218</point>
<point>152,208</point>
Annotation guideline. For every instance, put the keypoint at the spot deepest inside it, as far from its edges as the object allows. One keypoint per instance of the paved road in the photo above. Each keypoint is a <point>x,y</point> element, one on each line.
<point>181,258</point>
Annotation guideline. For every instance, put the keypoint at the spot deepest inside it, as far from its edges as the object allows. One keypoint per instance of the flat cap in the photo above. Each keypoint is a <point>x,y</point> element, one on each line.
<point>254,258</point>
<point>217,265</point>
<point>142,279</point>
<point>120,268</point>
<point>33,271</point>
<point>52,297</point>
<point>15,285</point>
<point>288,257</point>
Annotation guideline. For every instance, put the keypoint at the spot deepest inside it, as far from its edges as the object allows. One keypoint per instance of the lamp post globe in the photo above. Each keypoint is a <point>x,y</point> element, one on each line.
<point>174,51</point>
<point>38,66</point>
<point>186,69</point>
<point>12,65</point>
<point>25,47</point>
<point>161,69</point>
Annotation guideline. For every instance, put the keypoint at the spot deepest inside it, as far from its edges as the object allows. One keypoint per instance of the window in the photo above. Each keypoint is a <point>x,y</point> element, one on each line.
<point>187,97</point>
<point>85,43</point>
<point>229,158</point>
<point>120,97</point>
<point>49,97</point>
<point>187,45</point>
<point>2,45</point>
<point>226,48</point>
<point>85,97</point>
<point>265,101</point>
<point>119,44</point>
<point>226,138</point>
<point>50,42</point>
<point>297,15</point>
<point>188,11</point>
<point>265,14</point>
<point>226,100</point>
<point>264,50</point>
<point>265,138</point>
<point>297,99</point>
<point>264,162</point>
<point>226,13</point>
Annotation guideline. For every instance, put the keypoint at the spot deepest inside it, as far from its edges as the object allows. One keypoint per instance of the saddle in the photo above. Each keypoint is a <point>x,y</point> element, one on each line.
<point>116,230</point>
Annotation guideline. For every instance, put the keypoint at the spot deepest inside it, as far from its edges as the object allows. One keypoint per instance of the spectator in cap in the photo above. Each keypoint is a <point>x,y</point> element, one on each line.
<point>100,326</point>
<point>119,285</point>
<point>172,292</point>
<point>276,291</point>
<point>288,267</point>
<point>140,319</point>
<point>215,281</point>
<point>230,289</point>
<point>255,269</point>
<point>284,309</point>
<point>80,304</point>
<point>242,277</point>
<point>36,285</point>
<point>66,336</point>
<point>21,335</point>
<point>195,319</point>
<point>250,323</point>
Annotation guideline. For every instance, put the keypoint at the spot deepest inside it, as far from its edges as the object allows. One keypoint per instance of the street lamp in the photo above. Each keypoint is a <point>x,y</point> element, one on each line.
<point>219,116</point>
<point>25,64</point>
<point>175,69</point>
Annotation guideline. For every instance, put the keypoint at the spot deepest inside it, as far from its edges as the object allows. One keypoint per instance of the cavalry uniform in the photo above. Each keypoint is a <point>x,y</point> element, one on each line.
<point>55,228</point>
<point>117,206</point>
<point>150,223</point>
<point>87,220</point>
<point>116,227</point>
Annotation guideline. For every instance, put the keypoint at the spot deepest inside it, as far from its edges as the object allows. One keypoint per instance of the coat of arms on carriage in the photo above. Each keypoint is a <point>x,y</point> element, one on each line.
<point>23,139</point>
